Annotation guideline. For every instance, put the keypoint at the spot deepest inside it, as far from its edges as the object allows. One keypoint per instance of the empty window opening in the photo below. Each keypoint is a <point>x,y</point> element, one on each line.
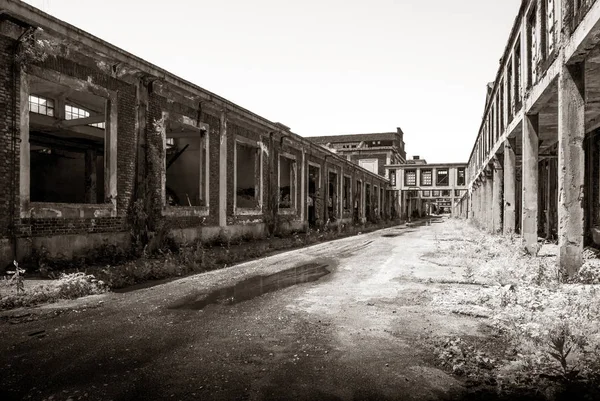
<point>346,201</point>
<point>67,158</point>
<point>393,178</point>
<point>509,90</point>
<point>517,80</point>
<point>460,177</point>
<point>247,172</point>
<point>532,51</point>
<point>426,178</point>
<point>550,26</point>
<point>358,200</point>
<point>314,183</point>
<point>369,212</point>
<point>185,162</point>
<point>287,183</point>
<point>442,177</point>
<point>410,178</point>
<point>332,197</point>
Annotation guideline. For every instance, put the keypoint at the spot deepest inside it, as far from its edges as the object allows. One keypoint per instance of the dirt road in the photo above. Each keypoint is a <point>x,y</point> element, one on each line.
<point>361,332</point>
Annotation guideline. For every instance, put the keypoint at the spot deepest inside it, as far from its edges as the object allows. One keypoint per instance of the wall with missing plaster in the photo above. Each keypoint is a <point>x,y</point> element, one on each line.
<point>146,162</point>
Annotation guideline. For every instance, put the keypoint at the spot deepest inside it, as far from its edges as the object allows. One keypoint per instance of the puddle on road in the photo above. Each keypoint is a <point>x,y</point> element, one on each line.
<point>254,287</point>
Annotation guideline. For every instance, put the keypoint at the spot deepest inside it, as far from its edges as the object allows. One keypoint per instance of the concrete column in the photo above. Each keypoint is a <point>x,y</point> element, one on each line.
<point>303,187</point>
<point>530,183</point>
<point>489,198</point>
<point>223,171</point>
<point>497,198</point>
<point>571,167</point>
<point>510,178</point>
<point>90,176</point>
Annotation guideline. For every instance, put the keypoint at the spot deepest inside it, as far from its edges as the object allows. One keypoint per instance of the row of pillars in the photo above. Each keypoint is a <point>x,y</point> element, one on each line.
<point>493,196</point>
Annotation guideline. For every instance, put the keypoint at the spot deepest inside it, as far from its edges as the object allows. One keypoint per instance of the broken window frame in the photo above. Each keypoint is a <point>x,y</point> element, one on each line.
<point>444,182</point>
<point>335,197</point>
<point>258,174</point>
<point>102,208</point>
<point>202,130</point>
<point>461,177</point>
<point>347,193</point>
<point>293,173</point>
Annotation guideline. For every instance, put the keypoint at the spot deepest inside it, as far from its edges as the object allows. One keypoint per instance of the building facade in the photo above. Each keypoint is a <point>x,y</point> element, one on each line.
<point>534,166</point>
<point>426,189</point>
<point>98,146</point>
<point>371,151</point>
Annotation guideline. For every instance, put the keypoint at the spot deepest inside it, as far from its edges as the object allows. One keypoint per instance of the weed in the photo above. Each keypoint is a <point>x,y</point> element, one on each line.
<point>17,277</point>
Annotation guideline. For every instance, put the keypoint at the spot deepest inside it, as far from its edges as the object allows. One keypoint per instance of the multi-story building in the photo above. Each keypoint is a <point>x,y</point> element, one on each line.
<point>97,144</point>
<point>371,151</point>
<point>428,188</point>
<point>534,165</point>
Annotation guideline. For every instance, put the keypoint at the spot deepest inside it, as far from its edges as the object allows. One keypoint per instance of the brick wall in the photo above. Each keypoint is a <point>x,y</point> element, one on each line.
<point>9,121</point>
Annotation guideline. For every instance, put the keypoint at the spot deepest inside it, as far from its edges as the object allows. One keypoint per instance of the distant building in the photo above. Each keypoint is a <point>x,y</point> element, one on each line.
<point>372,151</point>
<point>427,188</point>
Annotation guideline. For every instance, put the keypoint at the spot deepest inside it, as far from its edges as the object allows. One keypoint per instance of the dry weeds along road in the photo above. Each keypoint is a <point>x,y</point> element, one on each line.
<point>364,331</point>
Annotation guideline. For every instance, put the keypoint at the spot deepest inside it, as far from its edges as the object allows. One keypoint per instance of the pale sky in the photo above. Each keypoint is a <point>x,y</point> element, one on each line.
<point>324,67</point>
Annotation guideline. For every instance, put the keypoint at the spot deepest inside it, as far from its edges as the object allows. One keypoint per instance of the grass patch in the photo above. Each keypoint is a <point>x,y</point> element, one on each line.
<point>112,268</point>
<point>67,286</point>
<point>551,328</point>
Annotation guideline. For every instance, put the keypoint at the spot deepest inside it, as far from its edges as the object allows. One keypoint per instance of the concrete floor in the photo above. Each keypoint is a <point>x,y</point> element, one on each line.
<point>361,332</point>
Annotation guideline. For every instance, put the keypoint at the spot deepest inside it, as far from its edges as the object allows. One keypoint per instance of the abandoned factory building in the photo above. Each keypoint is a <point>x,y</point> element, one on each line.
<point>371,151</point>
<point>94,139</point>
<point>426,189</point>
<point>534,167</point>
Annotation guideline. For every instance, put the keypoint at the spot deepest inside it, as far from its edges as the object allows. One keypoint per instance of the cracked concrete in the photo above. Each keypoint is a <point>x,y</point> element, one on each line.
<point>362,332</point>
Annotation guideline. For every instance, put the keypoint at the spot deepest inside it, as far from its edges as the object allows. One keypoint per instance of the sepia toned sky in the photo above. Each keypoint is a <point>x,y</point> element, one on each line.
<point>324,67</point>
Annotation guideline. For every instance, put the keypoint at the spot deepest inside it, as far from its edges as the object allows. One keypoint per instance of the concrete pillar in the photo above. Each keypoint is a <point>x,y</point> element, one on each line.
<point>90,176</point>
<point>571,167</point>
<point>303,187</point>
<point>497,198</point>
<point>223,171</point>
<point>529,229</point>
<point>489,198</point>
<point>510,178</point>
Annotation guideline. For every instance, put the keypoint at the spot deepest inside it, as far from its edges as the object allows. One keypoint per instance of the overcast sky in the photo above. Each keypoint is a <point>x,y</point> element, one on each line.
<point>324,67</point>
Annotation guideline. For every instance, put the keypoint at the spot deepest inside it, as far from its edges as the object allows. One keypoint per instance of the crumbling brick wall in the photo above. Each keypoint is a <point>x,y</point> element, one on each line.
<point>9,120</point>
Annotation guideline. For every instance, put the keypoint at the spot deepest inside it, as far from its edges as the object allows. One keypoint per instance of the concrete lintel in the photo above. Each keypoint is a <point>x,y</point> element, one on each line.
<point>585,37</point>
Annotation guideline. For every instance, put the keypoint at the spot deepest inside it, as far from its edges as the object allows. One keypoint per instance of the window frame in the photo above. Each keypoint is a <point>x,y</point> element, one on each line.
<point>293,183</point>
<point>203,130</point>
<point>258,210</point>
<point>437,177</point>
<point>406,175</point>
<point>462,170</point>
<point>103,208</point>
<point>423,182</point>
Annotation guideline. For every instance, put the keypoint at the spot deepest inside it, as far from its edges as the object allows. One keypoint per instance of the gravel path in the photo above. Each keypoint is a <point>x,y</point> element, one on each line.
<point>361,332</point>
